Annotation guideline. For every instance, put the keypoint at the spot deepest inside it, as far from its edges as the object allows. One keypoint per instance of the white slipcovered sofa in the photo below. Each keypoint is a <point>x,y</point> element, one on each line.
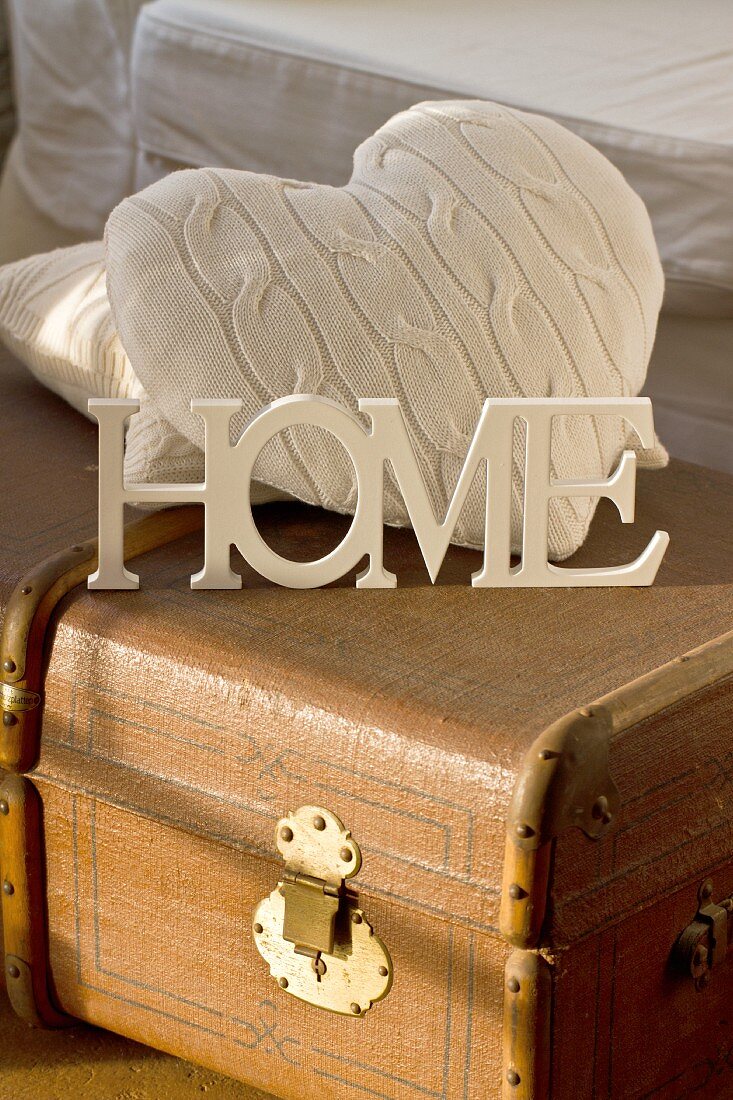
<point>7,117</point>
<point>113,94</point>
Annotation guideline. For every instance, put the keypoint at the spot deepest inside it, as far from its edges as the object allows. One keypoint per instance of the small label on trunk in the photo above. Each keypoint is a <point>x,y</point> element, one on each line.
<point>16,699</point>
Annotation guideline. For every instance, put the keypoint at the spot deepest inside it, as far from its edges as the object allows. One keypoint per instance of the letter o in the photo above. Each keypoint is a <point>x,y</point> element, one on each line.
<point>319,412</point>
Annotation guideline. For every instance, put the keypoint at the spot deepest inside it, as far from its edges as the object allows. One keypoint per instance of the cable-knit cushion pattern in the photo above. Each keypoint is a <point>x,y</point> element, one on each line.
<point>476,251</point>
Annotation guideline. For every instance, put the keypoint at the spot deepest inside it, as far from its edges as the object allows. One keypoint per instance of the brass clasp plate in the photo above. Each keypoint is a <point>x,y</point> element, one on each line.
<point>319,945</point>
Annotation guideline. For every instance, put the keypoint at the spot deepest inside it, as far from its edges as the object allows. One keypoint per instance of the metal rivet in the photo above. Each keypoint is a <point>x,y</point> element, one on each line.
<point>706,890</point>
<point>4,808</point>
<point>525,831</point>
<point>286,834</point>
<point>13,971</point>
<point>600,808</point>
<point>258,928</point>
<point>346,855</point>
<point>516,892</point>
<point>383,971</point>
<point>513,1078</point>
<point>8,888</point>
<point>355,1008</point>
<point>356,918</point>
<point>586,712</point>
<point>9,665</point>
<point>319,823</point>
<point>26,590</point>
<point>513,985</point>
<point>9,719</point>
<point>319,966</point>
<point>77,549</point>
<point>547,754</point>
<point>283,983</point>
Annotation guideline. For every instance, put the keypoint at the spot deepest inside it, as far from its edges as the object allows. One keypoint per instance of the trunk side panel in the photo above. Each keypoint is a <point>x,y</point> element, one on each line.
<point>627,1024</point>
<point>150,936</point>
<point>675,775</point>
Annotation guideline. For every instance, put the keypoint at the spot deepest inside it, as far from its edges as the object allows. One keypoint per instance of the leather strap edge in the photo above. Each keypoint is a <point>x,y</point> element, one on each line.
<point>24,905</point>
<point>526,1030</point>
<point>27,615</point>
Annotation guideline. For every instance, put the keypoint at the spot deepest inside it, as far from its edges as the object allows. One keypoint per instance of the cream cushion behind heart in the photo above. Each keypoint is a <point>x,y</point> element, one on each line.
<point>55,316</point>
<point>476,251</point>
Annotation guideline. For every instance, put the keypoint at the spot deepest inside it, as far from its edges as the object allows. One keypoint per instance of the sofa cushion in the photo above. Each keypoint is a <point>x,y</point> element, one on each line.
<point>292,88</point>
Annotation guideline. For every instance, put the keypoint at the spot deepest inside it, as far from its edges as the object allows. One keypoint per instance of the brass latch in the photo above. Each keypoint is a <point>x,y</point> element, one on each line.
<point>317,941</point>
<point>704,944</point>
<point>311,905</point>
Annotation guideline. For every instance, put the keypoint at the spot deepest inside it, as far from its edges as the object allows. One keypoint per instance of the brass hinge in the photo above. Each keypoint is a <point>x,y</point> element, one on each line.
<point>704,944</point>
<point>311,905</point>
<point>317,941</point>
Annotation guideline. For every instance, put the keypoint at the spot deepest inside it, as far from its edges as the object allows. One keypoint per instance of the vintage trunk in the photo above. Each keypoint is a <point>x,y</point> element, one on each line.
<point>540,783</point>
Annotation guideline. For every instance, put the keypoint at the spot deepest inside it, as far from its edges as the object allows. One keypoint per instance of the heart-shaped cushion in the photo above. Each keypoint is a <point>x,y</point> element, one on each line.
<point>475,251</point>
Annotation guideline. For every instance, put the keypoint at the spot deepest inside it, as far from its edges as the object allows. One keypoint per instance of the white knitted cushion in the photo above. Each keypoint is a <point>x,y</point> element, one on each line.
<point>476,251</point>
<point>55,316</point>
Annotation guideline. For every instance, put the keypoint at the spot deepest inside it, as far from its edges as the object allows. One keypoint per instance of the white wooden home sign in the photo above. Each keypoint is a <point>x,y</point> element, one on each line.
<point>226,492</point>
